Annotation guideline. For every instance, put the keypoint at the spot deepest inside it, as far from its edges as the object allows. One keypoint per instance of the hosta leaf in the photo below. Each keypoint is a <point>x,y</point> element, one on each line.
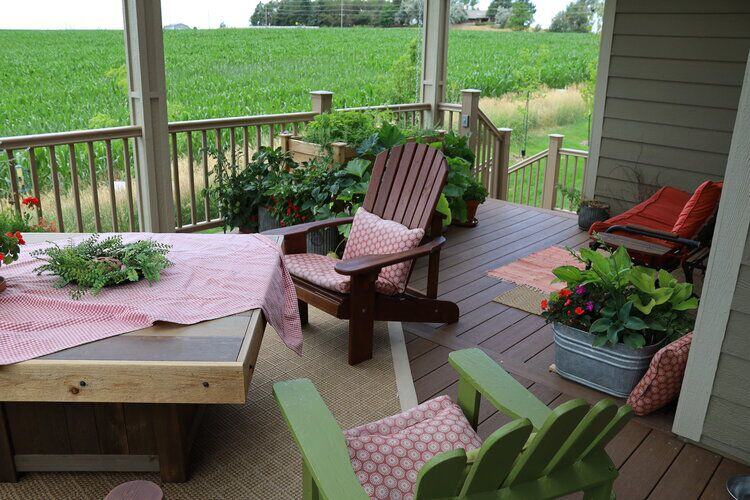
<point>644,307</point>
<point>600,325</point>
<point>599,341</point>
<point>634,340</point>
<point>687,305</point>
<point>635,323</point>
<point>568,274</point>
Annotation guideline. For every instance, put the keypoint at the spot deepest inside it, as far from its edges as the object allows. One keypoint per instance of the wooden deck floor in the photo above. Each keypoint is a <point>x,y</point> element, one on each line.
<point>653,462</point>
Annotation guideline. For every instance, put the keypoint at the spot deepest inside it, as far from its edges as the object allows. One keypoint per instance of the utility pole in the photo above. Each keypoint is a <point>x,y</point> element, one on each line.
<point>342,14</point>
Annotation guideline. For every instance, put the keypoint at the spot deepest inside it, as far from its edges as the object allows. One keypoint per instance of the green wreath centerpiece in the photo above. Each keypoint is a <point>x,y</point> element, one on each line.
<point>94,264</point>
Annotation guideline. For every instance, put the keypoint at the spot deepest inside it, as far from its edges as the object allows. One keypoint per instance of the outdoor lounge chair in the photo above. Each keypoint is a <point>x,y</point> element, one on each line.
<point>404,188</point>
<point>542,454</point>
<point>670,229</point>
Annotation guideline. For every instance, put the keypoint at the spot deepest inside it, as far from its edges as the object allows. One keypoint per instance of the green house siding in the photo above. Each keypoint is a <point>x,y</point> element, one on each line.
<point>675,73</point>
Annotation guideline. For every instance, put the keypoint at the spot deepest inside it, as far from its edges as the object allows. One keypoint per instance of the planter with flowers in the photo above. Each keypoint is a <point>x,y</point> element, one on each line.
<point>10,247</point>
<point>612,317</point>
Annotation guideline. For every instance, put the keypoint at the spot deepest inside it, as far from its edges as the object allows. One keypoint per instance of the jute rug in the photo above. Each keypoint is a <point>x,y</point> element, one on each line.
<point>246,452</point>
<point>533,275</point>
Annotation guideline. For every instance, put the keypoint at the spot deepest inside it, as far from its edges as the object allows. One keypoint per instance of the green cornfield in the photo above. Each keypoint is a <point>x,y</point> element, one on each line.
<point>53,81</point>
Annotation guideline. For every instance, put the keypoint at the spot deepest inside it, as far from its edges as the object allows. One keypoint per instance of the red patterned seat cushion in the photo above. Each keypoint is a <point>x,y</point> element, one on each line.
<point>698,209</point>
<point>387,455</point>
<point>371,235</point>
<point>319,269</point>
<point>663,380</point>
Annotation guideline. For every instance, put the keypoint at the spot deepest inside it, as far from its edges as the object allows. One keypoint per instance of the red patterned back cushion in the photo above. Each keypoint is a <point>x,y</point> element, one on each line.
<point>663,380</point>
<point>371,235</point>
<point>698,209</point>
<point>387,455</point>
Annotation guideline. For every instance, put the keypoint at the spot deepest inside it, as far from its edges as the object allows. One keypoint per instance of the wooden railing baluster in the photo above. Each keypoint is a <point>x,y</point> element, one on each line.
<point>245,147</point>
<point>56,188</point>
<point>128,183</point>
<point>233,147</point>
<point>206,199</point>
<point>15,195</point>
<point>94,185</point>
<point>75,187</point>
<point>176,181</point>
<point>111,184</point>
<point>191,174</point>
<point>35,183</point>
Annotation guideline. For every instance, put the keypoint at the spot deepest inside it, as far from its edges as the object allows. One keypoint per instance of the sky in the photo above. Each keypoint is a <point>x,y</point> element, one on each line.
<point>107,14</point>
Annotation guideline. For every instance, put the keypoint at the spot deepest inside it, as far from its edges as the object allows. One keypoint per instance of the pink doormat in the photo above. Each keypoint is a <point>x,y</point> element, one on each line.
<point>213,276</point>
<point>535,270</point>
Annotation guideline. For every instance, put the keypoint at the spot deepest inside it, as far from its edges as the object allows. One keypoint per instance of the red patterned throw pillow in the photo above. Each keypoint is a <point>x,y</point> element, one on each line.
<point>663,380</point>
<point>371,235</point>
<point>387,455</point>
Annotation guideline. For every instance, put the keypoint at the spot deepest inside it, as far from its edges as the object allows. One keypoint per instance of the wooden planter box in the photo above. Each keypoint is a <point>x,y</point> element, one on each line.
<point>303,151</point>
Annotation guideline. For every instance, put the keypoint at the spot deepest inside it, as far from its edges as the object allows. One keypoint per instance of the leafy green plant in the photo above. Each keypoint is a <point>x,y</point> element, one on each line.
<point>454,145</point>
<point>459,180</point>
<point>475,191</point>
<point>619,302</point>
<point>240,191</point>
<point>351,127</point>
<point>93,263</point>
<point>571,194</point>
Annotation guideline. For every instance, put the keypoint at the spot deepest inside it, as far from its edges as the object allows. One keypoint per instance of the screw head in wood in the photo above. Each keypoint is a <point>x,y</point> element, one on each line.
<point>205,384</point>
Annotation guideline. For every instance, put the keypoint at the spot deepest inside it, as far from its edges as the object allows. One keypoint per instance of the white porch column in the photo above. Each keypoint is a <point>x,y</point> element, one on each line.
<point>434,57</point>
<point>147,96</point>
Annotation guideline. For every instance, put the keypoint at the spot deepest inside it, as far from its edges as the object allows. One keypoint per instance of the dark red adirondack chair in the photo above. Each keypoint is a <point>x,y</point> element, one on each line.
<point>405,187</point>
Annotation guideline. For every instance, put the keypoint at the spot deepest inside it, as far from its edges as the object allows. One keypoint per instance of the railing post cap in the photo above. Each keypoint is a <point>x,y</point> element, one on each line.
<point>504,129</point>
<point>471,91</point>
<point>556,136</point>
<point>321,92</point>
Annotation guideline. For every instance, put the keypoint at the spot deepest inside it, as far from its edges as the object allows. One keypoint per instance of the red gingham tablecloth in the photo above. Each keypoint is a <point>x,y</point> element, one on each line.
<point>213,275</point>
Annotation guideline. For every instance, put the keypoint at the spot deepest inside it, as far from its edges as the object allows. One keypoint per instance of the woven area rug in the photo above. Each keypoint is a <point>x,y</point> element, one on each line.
<point>246,452</point>
<point>533,275</point>
<point>535,270</point>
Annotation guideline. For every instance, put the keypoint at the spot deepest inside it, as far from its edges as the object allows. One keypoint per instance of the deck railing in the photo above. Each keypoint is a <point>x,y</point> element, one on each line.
<point>529,184</point>
<point>90,177</point>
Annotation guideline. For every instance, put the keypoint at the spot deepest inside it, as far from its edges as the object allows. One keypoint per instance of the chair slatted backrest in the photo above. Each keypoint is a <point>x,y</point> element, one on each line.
<point>406,184</point>
<point>571,433</point>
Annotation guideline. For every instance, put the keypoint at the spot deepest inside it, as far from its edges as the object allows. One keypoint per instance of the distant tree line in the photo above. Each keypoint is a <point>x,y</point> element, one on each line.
<point>580,16</point>
<point>512,14</point>
<point>383,13</point>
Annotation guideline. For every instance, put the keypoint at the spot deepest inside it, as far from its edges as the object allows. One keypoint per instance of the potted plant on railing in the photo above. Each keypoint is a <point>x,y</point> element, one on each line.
<point>612,317</point>
<point>589,211</point>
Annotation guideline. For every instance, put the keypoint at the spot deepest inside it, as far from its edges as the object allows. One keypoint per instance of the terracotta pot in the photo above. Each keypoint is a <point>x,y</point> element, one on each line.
<point>471,210</point>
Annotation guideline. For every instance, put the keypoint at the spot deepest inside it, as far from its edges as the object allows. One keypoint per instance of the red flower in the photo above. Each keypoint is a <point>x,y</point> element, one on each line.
<point>579,310</point>
<point>2,256</point>
<point>564,293</point>
<point>19,237</point>
<point>544,304</point>
<point>567,303</point>
<point>31,201</point>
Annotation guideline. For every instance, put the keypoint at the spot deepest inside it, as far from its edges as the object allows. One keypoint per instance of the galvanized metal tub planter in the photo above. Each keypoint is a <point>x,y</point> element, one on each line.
<point>322,241</point>
<point>614,369</point>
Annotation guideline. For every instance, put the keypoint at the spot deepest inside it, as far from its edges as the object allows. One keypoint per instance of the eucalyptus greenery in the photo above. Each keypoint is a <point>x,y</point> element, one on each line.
<point>93,264</point>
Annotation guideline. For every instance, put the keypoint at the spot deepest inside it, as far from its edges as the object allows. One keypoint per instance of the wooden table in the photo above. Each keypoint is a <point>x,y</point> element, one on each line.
<point>132,402</point>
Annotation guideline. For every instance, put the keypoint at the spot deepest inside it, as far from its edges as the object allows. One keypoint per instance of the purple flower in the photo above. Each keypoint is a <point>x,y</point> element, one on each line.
<point>580,290</point>
<point>589,306</point>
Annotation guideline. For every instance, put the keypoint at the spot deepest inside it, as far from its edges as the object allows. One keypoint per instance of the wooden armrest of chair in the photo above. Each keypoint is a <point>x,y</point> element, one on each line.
<point>480,374</point>
<point>305,228</point>
<point>368,263</point>
<point>319,439</point>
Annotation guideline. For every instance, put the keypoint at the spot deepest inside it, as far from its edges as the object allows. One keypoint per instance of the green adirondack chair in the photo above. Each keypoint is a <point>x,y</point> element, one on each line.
<point>544,453</point>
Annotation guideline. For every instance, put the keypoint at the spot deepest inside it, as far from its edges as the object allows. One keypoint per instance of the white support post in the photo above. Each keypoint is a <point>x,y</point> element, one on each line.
<point>322,101</point>
<point>147,96</point>
<point>469,116</point>
<point>552,171</point>
<point>502,164</point>
<point>434,58</point>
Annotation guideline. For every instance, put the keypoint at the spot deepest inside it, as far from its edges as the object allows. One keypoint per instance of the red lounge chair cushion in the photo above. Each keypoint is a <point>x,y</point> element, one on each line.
<point>663,380</point>
<point>371,235</point>
<point>319,269</point>
<point>660,211</point>
<point>698,209</point>
<point>387,455</point>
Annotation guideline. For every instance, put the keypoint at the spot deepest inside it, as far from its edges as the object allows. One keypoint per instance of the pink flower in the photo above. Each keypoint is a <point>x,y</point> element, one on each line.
<point>589,306</point>
<point>580,290</point>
